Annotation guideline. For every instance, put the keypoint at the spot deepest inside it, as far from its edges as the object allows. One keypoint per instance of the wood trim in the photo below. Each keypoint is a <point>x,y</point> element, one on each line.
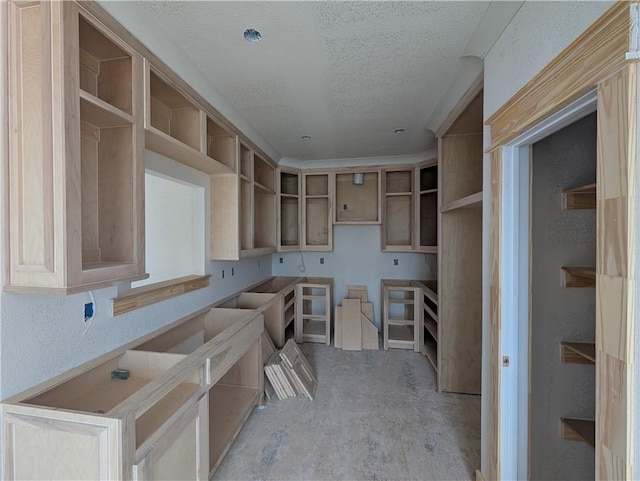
<point>473,90</point>
<point>146,295</point>
<point>495,321</point>
<point>593,56</point>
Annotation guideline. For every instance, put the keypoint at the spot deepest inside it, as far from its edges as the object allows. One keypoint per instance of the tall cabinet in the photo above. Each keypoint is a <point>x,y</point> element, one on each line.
<point>459,287</point>
<point>76,140</point>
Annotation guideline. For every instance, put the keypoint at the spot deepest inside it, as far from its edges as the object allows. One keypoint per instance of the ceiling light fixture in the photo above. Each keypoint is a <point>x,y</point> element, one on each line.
<point>306,138</point>
<point>399,131</point>
<point>252,36</point>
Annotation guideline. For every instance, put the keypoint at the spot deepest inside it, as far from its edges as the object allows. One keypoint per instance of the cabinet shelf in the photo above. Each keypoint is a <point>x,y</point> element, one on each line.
<point>398,194</point>
<point>578,430</point>
<point>578,352</point>
<point>473,201</point>
<point>432,327</point>
<point>578,276</point>
<point>430,350</point>
<point>583,197</point>
<point>429,191</point>
<point>100,113</point>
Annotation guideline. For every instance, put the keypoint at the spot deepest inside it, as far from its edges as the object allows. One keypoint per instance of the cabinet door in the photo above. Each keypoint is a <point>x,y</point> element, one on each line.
<point>182,452</point>
<point>317,226</point>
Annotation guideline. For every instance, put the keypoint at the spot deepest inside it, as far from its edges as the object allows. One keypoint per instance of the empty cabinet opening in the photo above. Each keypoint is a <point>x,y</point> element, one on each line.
<point>357,203</point>
<point>107,187</point>
<point>562,400</point>
<point>105,68</point>
<point>221,144</point>
<point>172,113</point>
<point>174,227</point>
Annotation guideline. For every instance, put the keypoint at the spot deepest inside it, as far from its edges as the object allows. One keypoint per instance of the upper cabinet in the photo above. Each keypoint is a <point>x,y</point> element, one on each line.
<point>243,209</point>
<point>410,208</point>
<point>357,197</point>
<point>178,128</point>
<point>288,210</point>
<point>317,229</point>
<point>76,141</point>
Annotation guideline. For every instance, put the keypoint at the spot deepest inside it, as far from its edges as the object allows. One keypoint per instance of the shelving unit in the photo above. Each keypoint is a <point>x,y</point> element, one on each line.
<point>83,139</point>
<point>429,297</point>
<point>317,230</point>
<point>221,145</point>
<point>427,207</point>
<point>398,223</point>
<point>289,210</point>
<point>578,276</point>
<point>243,209</point>
<point>402,326</point>
<point>313,311</point>
<point>459,306</point>
<point>357,203</point>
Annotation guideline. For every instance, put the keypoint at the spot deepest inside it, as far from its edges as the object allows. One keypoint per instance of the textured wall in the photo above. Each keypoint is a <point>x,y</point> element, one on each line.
<point>561,237</point>
<point>538,33</point>
<point>356,259</point>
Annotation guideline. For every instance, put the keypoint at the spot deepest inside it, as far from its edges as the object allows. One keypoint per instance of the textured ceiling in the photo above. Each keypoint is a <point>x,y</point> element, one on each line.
<point>346,73</point>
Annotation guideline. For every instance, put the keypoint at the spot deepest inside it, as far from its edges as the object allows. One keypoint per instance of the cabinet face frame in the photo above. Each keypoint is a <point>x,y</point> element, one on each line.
<point>312,199</point>
<point>388,199</point>
<point>45,249</point>
<point>419,207</point>
<point>290,198</point>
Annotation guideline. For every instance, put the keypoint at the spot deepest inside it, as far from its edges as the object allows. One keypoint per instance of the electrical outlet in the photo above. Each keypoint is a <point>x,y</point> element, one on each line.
<point>395,262</point>
<point>322,260</point>
<point>233,271</point>
<point>223,273</point>
<point>281,260</point>
<point>89,311</point>
<point>345,207</point>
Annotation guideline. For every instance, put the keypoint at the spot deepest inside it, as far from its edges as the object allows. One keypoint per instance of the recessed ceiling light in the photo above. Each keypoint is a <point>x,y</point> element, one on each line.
<point>306,137</point>
<point>399,131</point>
<point>251,35</point>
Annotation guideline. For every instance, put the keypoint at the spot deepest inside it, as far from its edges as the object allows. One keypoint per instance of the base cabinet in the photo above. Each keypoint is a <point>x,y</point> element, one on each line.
<point>165,408</point>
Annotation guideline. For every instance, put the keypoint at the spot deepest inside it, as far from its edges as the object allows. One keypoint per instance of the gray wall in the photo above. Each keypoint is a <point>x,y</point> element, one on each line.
<point>561,237</point>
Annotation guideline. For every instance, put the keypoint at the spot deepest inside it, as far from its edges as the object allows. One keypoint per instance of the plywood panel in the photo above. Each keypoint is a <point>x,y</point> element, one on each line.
<point>351,325</point>
<point>461,166</point>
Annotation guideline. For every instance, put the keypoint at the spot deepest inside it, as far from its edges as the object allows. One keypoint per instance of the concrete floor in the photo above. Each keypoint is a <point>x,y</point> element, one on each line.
<point>376,416</point>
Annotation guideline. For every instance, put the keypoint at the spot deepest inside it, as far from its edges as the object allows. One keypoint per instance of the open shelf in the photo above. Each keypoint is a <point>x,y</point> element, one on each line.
<point>229,407</point>
<point>583,197</point>
<point>105,68</point>
<point>473,201</point>
<point>357,204</point>
<point>430,350</point>
<point>221,144</point>
<point>263,173</point>
<point>432,327</point>
<point>398,182</point>
<point>578,276</point>
<point>578,430</point>
<point>578,352</point>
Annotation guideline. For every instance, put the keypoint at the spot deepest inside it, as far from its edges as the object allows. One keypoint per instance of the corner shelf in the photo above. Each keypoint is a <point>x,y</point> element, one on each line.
<point>579,198</point>
<point>578,430</point>
<point>473,201</point>
<point>578,352</point>
<point>578,276</point>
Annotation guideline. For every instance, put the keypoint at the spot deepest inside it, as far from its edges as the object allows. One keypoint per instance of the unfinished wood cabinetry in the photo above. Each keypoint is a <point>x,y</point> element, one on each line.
<point>429,299</point>
<point>76,146</point>
<point>317,230</point>
<point>178,128</point>
<point>401,315</point>
<point>410,208</point>
<point>288,210</point>
<point>313,311</point>
<point>357,197</point>
<point>243,209</point>
<point>460,250</point>
<point>167,408</point>
<point>398,224</point>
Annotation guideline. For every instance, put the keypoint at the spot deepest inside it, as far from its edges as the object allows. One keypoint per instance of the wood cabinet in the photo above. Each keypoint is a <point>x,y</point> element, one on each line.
<point>289,212</point>
<point>167,407</point>
<point>410,208</point>
<point>460,251</point>
<point>243,209</point>
<point>357,197</point>
<point>401,315</point>
<point>75,177</point>
<point>428,297</point>
<point>317,212</point>
<point>313,311</point>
